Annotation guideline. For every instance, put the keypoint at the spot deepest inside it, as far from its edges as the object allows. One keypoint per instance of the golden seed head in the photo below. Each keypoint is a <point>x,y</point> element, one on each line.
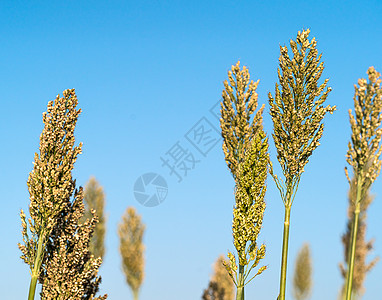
<point>296,112</point>
<point>238,105</point>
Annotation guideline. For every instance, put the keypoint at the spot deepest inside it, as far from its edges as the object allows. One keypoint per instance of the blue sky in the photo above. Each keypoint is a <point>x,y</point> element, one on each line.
<point>145,73</point>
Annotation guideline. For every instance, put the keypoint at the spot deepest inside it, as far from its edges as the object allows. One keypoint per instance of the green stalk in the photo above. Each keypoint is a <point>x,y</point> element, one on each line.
<point>240,284</point>
<point>284,253</point>
<point>135,294</point>
<point>350,273</point>
<point>37,266</point>
<point>32,287</point>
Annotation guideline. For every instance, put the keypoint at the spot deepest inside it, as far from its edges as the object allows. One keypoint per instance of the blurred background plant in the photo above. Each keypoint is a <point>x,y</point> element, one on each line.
<point>220,286</point>
<point>302,279</point>
<point>363,247</point>
<point>363,155</point>
<point>94,197</point>
<point>130,232</point>
<point>213,292</point>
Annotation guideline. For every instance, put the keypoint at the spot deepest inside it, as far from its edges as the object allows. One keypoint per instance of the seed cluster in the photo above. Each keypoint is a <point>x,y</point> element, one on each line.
<point>246,152</point>
<point>72,270</point>
<point>56,245</point>
<point>250,194</point>
<point>296,115</point>
<point>50,183</point>
<point>238,105</point>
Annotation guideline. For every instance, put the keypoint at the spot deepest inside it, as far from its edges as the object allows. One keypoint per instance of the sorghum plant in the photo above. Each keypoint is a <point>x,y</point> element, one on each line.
<point>297,120</point>
<point>246,153</point>
<point>220,286</point>
<point>50,183</point>
<point>131,232</point>
<point>363,247</point>
<point>95,199</point>
<point>302,280</point>
<point>363,153</point>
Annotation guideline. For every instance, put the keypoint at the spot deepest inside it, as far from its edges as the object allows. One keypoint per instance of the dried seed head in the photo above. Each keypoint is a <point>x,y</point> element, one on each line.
<point>50,183</point>
<point>296,113</point>
<point>67,269</point>
<point>72,269</point>
<point>238,105</point>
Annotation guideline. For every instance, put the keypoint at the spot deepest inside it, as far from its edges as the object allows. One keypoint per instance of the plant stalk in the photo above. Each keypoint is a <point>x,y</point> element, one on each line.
<point>135,294</point>
<point>36,267</point>
<point>240,285</point>
<point>351,259</point>
<point>284,253</point>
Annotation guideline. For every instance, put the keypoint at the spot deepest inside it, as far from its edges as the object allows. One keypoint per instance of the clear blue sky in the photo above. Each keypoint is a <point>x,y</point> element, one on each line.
<point>145,73</point>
